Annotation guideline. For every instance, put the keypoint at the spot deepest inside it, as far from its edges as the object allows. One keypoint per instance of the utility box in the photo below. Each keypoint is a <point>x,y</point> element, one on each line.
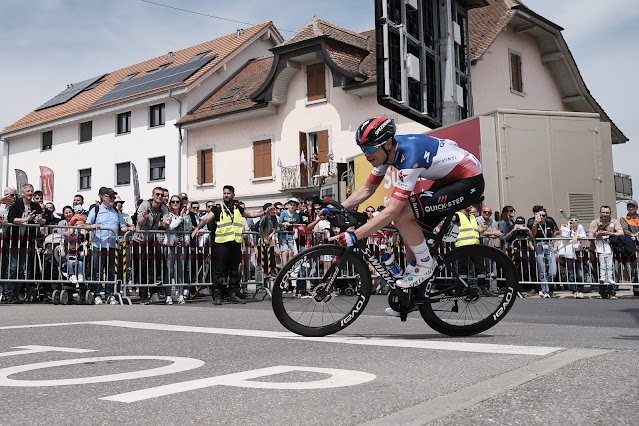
<point>561,160</point>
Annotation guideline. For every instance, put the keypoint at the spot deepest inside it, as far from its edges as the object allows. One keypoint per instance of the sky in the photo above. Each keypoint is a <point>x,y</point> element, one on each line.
<point>46,44</point>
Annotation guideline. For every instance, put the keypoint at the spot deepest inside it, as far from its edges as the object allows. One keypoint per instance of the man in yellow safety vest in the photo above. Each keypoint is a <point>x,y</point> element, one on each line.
<point>228,243</point>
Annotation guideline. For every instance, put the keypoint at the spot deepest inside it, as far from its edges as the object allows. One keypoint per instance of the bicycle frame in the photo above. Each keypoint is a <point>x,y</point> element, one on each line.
<point>384,272</point>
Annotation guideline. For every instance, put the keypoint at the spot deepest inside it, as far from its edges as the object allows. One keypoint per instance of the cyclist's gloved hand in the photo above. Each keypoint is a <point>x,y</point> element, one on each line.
<point>326,211</point>
<point>346,239</point>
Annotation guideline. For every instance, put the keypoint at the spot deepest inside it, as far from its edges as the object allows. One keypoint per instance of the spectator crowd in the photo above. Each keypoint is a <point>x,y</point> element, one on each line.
<point>178,248</point>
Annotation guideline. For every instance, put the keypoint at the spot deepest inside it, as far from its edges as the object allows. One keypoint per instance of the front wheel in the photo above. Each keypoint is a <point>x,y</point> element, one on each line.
<point>302,302</point>
<point>466,310</point>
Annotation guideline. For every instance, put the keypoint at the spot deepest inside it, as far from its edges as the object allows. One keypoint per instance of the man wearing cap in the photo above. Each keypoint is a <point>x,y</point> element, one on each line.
<point>630,221</point>
<point>228,243</point>
<point>106,222</point>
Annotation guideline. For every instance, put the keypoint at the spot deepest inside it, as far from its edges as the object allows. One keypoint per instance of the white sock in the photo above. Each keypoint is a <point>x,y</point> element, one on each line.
<point>422,254</point>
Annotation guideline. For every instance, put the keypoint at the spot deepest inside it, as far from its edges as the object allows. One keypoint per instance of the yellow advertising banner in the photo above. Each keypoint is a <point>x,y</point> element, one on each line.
<point>381,197</point>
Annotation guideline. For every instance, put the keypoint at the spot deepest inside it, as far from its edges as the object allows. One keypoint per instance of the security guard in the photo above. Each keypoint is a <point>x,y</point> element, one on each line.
<point>469,235</point>
<point>468,228</point>
<point>228,243</point>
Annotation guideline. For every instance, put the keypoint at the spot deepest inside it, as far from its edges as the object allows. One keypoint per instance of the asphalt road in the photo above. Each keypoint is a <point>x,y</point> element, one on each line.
<point>548,362</point>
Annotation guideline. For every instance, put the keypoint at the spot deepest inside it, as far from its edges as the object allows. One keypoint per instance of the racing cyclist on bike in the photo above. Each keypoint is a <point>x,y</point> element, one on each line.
<point>458,182</point>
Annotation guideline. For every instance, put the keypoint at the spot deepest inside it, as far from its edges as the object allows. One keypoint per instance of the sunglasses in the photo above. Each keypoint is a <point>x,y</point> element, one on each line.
<point>573,220</point>
<point>511,211</point>
<point>369,149</point>
<point>175,201</point>
<point>542,215</point>
<point>370,211</point>
<point>13,195</point>
<point>487,212</point>
<point>196,207</point>
<point>159,194</point>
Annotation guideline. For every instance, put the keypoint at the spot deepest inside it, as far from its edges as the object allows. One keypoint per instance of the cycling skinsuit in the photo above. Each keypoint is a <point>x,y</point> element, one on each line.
<point>457,176</point>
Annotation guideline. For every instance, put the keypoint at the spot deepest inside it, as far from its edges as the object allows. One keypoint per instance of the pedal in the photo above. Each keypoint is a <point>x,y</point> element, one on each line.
<point>403,317</point>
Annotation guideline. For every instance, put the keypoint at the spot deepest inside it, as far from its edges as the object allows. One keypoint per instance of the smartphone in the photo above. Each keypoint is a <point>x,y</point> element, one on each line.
<point>537,216</point>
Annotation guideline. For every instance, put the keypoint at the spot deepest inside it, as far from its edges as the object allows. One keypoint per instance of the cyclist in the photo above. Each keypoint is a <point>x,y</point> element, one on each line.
<point>457,182</point>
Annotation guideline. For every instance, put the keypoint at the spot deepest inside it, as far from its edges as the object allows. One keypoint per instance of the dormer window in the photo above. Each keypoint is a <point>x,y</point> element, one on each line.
<point>231,93</point>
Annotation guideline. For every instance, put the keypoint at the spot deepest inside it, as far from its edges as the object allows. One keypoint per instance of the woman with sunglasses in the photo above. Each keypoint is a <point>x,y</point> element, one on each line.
<point>176,248</point>
<point>458,182</point>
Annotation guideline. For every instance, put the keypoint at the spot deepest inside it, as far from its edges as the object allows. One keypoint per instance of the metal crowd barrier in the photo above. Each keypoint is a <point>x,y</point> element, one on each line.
<point>57,263</point>
<point>583,266</point>
<point>167,263</point>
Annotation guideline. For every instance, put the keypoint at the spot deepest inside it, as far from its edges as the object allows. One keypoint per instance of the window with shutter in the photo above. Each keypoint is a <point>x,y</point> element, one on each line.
<point>262,159</point>
<point>315,82</point>
<point>516,81</point>
<point>205,166</point>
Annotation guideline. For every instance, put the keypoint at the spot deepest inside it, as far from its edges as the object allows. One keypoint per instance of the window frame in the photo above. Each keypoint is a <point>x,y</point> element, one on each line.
<point>150,176</point>
<point>269,138</point>
<point>117,123</point>
<point>46,135</point>
<point>513,53</point>
<point>117,182</point>
<point>197,155</point>
<point>90,122</point>
<point>162,108</point>
<point>88,188</point>
<point>326,85</point>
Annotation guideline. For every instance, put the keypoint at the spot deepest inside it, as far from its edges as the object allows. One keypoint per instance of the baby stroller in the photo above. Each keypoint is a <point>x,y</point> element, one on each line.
<point>68,263</point>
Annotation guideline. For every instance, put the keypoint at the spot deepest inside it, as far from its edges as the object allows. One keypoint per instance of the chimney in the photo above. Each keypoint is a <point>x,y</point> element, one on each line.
<point>169,55</point>
<point>240,31</point>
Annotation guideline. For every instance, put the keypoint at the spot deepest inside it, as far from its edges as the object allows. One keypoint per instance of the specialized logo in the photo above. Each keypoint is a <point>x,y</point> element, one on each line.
<point>427,156</point>
<point>381,127</point>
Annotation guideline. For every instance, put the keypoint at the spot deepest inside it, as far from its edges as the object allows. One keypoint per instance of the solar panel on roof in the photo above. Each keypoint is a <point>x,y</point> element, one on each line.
<point>71,91</point>
<point>156,80</point>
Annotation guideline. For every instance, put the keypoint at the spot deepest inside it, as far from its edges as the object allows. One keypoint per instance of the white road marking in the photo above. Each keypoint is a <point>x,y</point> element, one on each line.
<point>445,405</point>
<point>397,342</point>
<point>338,378</point>
<point>178,364</point>
<point>53,324</point>
<point>33,349</point>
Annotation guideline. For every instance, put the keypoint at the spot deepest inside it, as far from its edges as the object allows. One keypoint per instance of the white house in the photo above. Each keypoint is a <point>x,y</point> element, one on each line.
<point>93,131</point>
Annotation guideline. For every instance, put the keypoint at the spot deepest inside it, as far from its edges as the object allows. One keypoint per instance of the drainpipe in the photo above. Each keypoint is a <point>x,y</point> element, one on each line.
<point>180,140</point>
<point>7,173</point>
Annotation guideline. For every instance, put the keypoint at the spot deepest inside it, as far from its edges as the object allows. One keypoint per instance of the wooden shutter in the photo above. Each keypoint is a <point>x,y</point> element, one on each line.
<point>322,146</point>
<point>515,69</point>
<point>262,159</point>
<point>315,82</point>
<point>205,166</point>
<point>199,167</point>
<point>303,168</point>
<point>208,166</point>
